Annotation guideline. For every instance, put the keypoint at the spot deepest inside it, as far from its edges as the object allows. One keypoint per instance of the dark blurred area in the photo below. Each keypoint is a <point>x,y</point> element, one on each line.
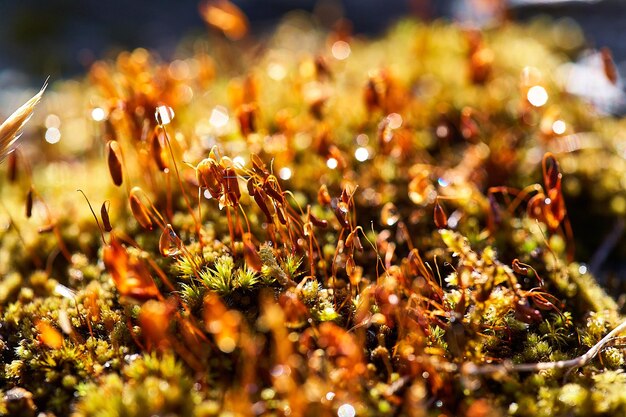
<point>62,37</point>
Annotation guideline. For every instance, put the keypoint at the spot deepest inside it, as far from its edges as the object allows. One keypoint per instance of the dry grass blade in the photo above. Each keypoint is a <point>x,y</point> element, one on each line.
<point>11,129</point>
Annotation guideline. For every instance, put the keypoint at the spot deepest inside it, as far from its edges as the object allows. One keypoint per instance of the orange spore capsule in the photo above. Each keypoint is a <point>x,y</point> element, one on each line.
<point>48,335</point>
<point>29,202</point>
<point>441,219</point>
<point>250,253</point>
<point>130,275</point>
<point>158,149</point>
<point>104,214</point>
<point>139,210</point>
<point>114,162</point>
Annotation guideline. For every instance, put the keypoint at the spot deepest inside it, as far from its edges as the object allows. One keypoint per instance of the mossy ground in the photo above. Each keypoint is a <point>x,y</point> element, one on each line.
<point>312,235</point>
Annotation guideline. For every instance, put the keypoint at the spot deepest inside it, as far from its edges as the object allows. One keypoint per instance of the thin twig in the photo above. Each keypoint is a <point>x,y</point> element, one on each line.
<point>473,369</point>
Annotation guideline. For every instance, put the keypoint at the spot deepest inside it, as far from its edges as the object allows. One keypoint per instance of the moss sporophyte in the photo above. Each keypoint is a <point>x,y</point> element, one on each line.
<point>335,226</point>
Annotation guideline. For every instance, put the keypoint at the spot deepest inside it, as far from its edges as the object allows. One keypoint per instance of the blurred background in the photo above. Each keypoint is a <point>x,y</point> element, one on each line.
<point>61,38</point>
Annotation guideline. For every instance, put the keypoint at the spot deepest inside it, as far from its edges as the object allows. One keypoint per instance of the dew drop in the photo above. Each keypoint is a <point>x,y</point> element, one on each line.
<point>341,50</point>
<point>559,127</point>
<point>98,114</point>
<point>276,71</point>
<point>361,154</point>
<point>164,115</point>
<point>219,117</point>
<point>285,173</point>
<point>537,96</point>
<point>346,410</point>
<point>53,135</point>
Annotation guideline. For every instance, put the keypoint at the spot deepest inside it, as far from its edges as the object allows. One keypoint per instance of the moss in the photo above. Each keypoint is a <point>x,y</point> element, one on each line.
<point>150,385</point>
<point>336,235</point>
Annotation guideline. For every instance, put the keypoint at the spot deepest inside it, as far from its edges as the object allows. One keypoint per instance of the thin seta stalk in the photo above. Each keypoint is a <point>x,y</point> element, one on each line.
<point>182,188</point>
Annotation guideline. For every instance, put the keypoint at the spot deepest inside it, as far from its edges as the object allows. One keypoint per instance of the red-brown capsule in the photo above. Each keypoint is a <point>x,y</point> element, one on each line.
<point>29,202</point>
<point>441,219</point>
<point>139,210</point>
<point>251,186</point>
<point>260,198</point>
<point>46,229</point>
<point>280,213</point>
<point>318,222</point>
<point>114,162</point>
<point>357,243</point>
<point>270,189</point>
<point>210,175</point>
<point>339,208</point>
<point>250,253</point>
<point>525,313</point>
<point>480,65</point>
<point>417,264</point>
<point>130,275</point>
<point>246,114</point>
<point>484,290</point>
<point>322,69</point>
<point>554,208</point>
<point>536,206</point>
<point>346,197</point>
<point>461,305</point>
<point>551,173</point>
<point>296,313</point>
<point>258,166</point>
<point>316,107</point>
<point>371,97</point>
<point>543,303</point>
<point>350,265</point>
<point>104,214</point>
<point>609,65</point>
<point>323,196</point>
<point>12,169</point>
<point>353,240</point>
<point>232,186</point>
<point>519,267</point>
<point>157,146</point>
